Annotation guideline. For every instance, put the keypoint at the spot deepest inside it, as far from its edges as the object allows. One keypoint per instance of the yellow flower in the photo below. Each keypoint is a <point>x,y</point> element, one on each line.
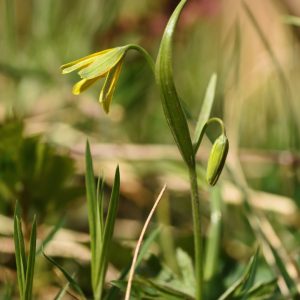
<point>106,63</point>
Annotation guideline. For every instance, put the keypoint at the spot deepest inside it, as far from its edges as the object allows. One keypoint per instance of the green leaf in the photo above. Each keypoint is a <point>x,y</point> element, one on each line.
<point>290,283</point>
<point>146,245</point>
<point>186,269</point>
<point>69,278</point>
<point>214,236</point>
<point>30,262</point>
<point>62,292</point>
<point>100,237</point>
<point>249,277</point>
<point>108,232</point>
<point>99,233</point>
<point>92,209</point>
<point>147,289</point>
<point>205,111</point>
<point>100,200</point>
<point>243,284</point>
<point>166,291</point>
<point>113,292</point>
<point>262,291</point>
<point>170,101</point>
<point>19,251</point>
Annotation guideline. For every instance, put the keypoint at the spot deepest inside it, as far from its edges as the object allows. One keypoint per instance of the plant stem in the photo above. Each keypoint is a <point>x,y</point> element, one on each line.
<point>146,55</point>
<point>197,232</point>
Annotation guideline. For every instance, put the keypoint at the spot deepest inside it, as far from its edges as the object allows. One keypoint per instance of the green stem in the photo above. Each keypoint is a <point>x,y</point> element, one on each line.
<point>146,55</point>
<point>219,121</point>
<point>197,233</point>
<point>213,238</point>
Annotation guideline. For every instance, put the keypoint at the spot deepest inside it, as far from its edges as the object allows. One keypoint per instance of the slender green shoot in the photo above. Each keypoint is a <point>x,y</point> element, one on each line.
<point>205,111</point>
<point>68,277</point>
<point>239,289</point>
<point>214,235</point>
<point>25,267</point>
<point>101,230</point>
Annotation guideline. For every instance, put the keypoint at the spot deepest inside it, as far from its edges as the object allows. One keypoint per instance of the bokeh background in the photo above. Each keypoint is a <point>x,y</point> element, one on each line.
<point>253,46</point>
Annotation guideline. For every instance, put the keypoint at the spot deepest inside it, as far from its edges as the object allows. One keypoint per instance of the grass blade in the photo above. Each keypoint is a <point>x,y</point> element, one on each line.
<point>170,101</point>
<point>19,251</point>
<point>92,208</point>
<point>108,232</point>
<point>99,230</point>
<point>30,262</point>
<point>249,277</point>
<point>205,111</point>
<point>62,292</point>
<point>100,200</point>
<point>263,290</point>
<point>290,283</point>
<point>69,278</point>
<point>214,235</point>
<point>243,284</point>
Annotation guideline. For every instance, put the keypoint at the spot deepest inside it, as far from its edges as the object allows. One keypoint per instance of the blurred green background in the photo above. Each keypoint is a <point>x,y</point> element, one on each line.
<point>253,46</point>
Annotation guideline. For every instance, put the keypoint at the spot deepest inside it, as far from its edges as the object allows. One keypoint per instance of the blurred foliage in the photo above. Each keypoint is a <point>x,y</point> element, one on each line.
<point>33,172</point>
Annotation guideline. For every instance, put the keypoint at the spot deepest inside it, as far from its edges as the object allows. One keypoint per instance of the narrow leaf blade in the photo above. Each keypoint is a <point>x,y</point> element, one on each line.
<point>31,262</point>
<point>92,206</point>
<point>243,284</point>
<point>108,232</point>
<point>205,111</point>
<point>214,236</point>
<point>69,278</point>
<point>62,292</point>
<point>19,250</point>
<point>170,101</point>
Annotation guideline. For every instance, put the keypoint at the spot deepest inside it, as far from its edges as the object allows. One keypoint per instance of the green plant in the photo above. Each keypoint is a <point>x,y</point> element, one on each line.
<point>30,167</point>
<point>25,266</point>
<point>108,63</point>
<point>186,281</point>
<point>101,228</point>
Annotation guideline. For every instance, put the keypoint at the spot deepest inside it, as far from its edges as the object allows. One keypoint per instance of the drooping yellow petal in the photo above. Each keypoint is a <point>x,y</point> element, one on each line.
<point>109,86</point>
<point>83,84</point>
<point>104,63</point>
<point>82,62</point>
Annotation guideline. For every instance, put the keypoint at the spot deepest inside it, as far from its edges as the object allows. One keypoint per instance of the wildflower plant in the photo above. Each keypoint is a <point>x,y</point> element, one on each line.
<point>188,281</point>
<point>108,64</point>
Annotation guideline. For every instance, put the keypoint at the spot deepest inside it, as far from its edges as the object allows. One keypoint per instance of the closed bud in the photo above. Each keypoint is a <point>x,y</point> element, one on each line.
<point>217,159</point>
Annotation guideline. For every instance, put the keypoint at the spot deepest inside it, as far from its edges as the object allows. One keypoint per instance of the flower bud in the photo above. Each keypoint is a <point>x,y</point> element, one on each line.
<point>217,159</point>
